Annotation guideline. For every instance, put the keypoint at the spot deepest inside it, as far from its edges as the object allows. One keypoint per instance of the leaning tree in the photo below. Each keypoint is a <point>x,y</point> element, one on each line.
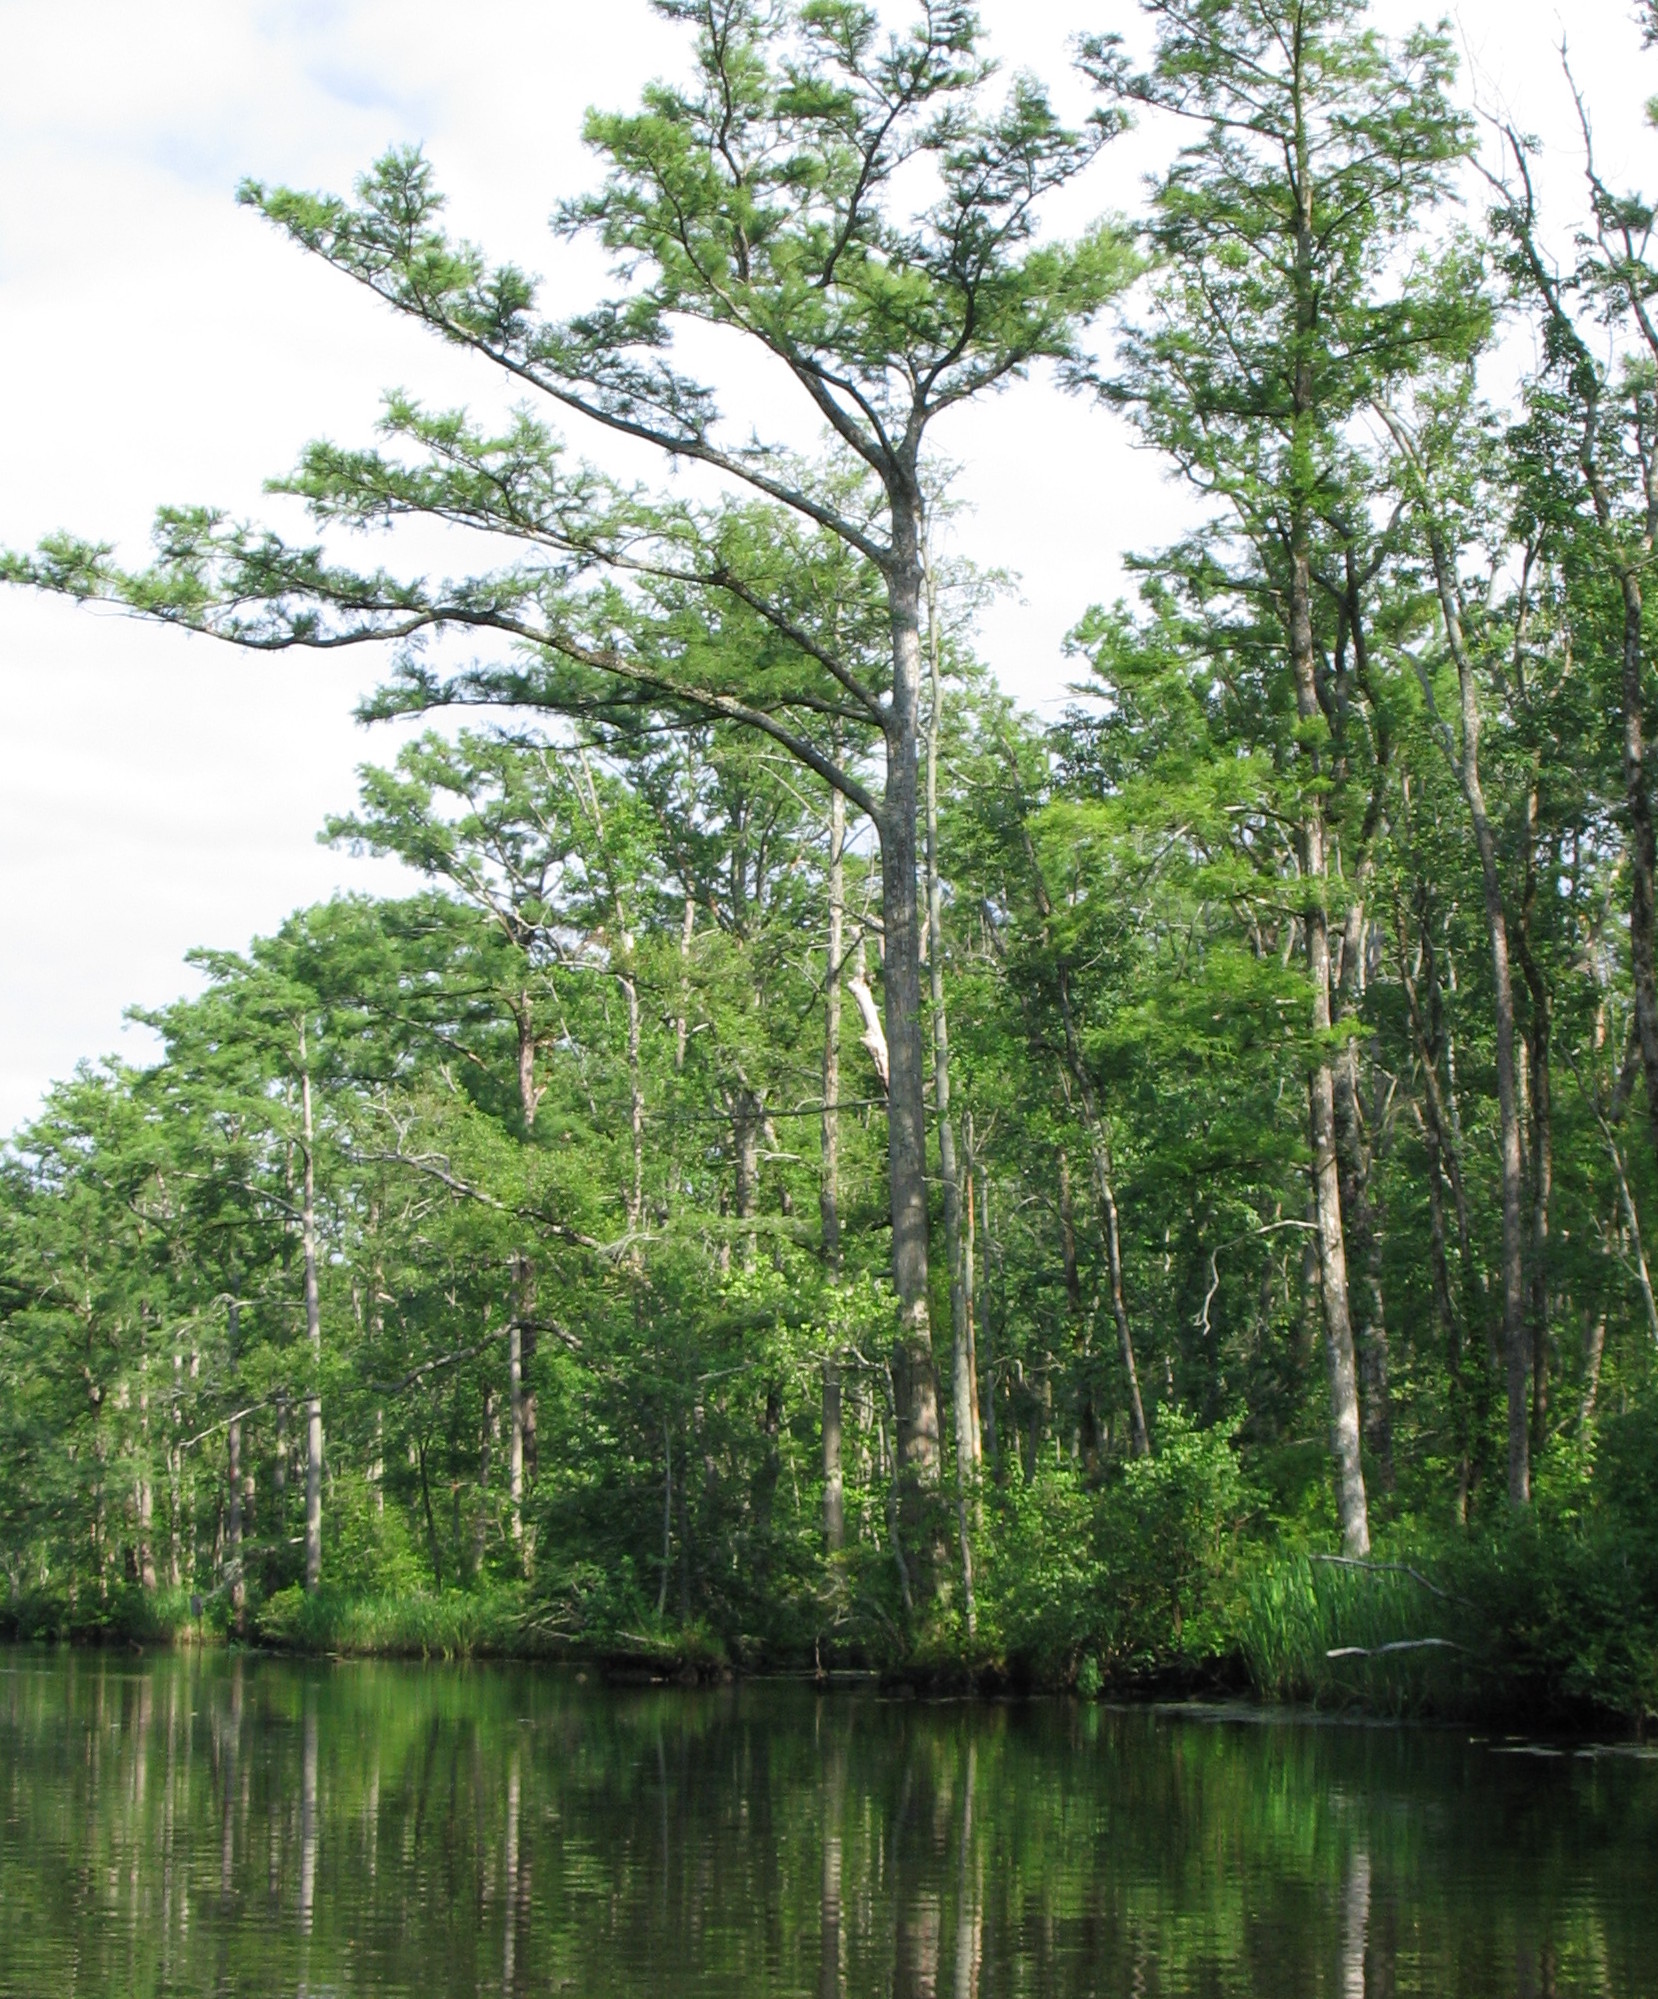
<point>852,209</point>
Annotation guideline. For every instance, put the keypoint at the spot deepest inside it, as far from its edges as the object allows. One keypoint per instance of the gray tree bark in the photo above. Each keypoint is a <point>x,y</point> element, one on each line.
<point>834,1499</point>
<point>915,1385</point>
<point>961,1374</point>
<point>233,1575</point>
<point>313,1333</point>
<point>1466,766</point>
<point>1340,1359</point>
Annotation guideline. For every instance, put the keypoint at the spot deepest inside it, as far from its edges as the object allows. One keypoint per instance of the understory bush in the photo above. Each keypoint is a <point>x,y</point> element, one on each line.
<point>1137,1576</point>
<point>125,1613</point>
<point>1549,1615</point>
<point>1164,1570</point>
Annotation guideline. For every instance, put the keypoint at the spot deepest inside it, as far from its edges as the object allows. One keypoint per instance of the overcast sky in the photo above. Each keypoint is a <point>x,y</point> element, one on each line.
<point>159,344</point>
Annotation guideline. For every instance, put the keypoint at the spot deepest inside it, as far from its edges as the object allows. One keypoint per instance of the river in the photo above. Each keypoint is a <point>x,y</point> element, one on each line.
<point>185,1824</point>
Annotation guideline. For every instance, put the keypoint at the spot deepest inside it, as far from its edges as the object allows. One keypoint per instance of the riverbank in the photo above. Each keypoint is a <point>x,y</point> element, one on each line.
<point>1525,1626</point>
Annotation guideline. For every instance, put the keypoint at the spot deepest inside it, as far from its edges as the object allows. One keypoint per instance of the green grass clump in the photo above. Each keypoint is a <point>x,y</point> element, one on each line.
<point>450,1624</point>
<point>1385,1636</point>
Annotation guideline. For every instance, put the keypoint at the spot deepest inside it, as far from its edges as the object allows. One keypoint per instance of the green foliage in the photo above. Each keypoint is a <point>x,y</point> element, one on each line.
<point>593,1256</point>
<point>421,1624</point>
<point>1552,1617</point>
<point>1136,1577</point>
<point>371,1547</point>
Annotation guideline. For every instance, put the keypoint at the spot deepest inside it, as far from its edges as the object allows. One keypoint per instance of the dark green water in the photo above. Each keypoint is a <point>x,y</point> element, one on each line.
<point>184,1826</point>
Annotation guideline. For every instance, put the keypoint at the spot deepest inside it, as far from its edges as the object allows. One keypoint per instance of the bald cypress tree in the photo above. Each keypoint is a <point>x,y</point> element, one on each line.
<point>1287,302</point>
<point>767,196</point>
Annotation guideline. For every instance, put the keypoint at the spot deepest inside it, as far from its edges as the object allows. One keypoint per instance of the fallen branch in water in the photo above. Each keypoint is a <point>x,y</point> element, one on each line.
<point>1398,1645</point>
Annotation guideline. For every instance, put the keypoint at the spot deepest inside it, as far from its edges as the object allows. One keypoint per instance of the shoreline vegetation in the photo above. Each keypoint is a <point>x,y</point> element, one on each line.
<point>1536,1626</point>
<point>826,1169</point>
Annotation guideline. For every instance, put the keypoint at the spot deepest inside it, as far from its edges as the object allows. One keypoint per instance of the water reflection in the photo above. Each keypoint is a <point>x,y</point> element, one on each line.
<point>191,1826</point>
<point>308,1817</point>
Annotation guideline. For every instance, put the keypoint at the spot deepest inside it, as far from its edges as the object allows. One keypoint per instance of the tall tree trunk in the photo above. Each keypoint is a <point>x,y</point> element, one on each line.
<point>1516,1343</point>
<point>961,1380</point>
<point>1105,1201</point>
<point>969,1170</point>
<point>834,1500</point>
<point>1340,1359</point>
<point>1076,1075</point>
<point>233,1521</point>
<point>1432,1044</point>
<point>1088,1421</point>
<point>1542,1136</point>
<point>1452,1302</point>
<point>987,1393</point>
<point>529,1096</point>
<point>834,1487</point>
<point>521,1449</point>
<point>515,1409</point>
<point>915,1385</point>
<point>1351,1505</point>
<point>144,1508</point>
<point>636,1107</point>
<point>1594,1348</point>
<point>1643,847</point>
<point>233,1482</point>
<point>748,1115</point>
<point>763,1492</point>
<point>480,1518</point>
<point>687,929</point>
<point>1632,1220</point>
<point>587,791</point>
<point>667,1515</point>
<point>313,1334</point>
<point>1068,1236</point>
<point>434,1549</point>
<point>175,1573</point>
<point>1106,1197</point>
<point>1355,1163</point>
<point>1356,1141</point>
<point>1643,850</point>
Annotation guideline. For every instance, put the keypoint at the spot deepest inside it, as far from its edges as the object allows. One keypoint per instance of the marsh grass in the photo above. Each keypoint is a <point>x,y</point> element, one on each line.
<point>415,1624</point>
<point>1383,1636</point>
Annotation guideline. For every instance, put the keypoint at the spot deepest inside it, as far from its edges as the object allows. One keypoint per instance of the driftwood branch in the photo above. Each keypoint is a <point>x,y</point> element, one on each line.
<point>1398,1645</point>
<point>1398,1568</point>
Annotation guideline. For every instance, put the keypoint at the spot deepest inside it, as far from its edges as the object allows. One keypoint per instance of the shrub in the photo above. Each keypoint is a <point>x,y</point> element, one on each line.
<point>368,1550</point>
<point>1139,1575</point>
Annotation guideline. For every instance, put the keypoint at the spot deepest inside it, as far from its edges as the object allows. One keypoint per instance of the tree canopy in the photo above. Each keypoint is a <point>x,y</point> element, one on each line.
<point>1255,1068</point>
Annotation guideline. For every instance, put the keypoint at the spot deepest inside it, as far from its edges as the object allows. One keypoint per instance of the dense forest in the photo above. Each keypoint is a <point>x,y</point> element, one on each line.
<point>828,1170</point>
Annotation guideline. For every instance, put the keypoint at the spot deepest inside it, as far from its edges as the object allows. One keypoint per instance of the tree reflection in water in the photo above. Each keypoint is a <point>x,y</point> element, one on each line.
<point>190,1825</point>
